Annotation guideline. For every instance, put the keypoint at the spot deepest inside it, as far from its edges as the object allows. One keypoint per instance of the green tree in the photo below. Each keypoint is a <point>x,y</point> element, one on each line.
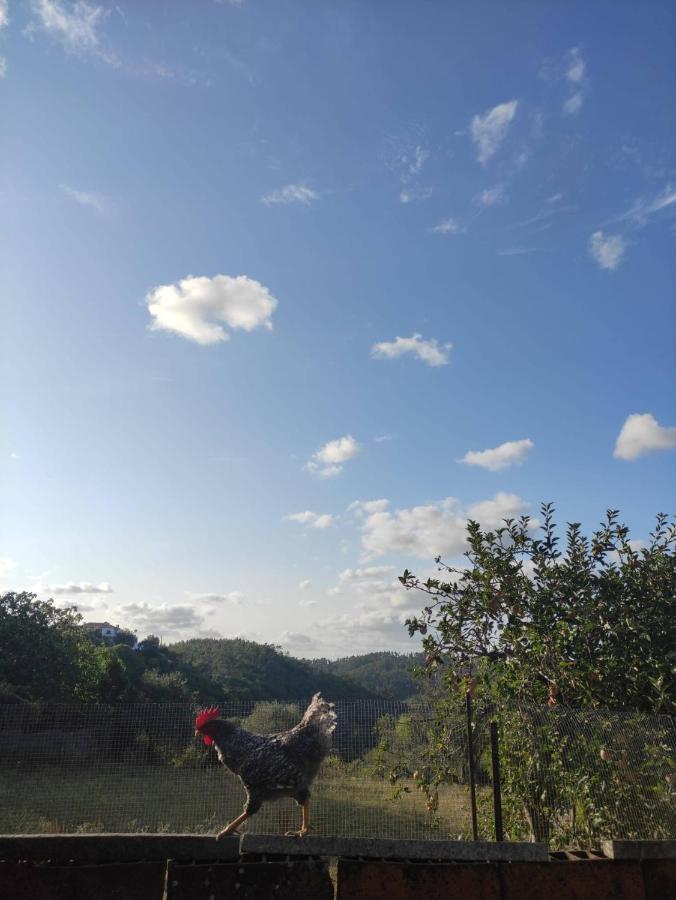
<point>592,625</point>
<point>551,636</point>
<point>45,654</point>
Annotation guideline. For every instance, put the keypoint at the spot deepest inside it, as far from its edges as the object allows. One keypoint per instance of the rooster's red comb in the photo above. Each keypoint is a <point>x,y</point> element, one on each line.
<point>206,716</point>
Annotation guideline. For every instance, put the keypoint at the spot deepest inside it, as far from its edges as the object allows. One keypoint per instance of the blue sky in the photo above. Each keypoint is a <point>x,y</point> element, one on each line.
<point>291,289</point>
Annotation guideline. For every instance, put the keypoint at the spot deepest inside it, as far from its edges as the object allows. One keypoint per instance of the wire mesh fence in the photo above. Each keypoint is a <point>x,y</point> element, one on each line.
<point>396,770</point>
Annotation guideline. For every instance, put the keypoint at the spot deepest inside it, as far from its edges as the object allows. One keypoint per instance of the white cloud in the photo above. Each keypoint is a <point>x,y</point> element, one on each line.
<point>6,565</point>
<point>573,104</point>
<point>382,438</point>
<point>435,529</point>
<point>307,602</point>
<point>4,14</point>
<point>641,434</point>
<point>85,198</point>
<point>3,66</point>
<point>75,28</point>
<point>447,226</point>
<point>166,617</point>
<point>430,352</point>
<point>489,131</point>
<point>492,196</point>
<point>420,157</point>
<point>576,66</point>
<point>314,520</point>
<point>607,250</point>
<point>363,508</point>
<point>196,307</point>
<point>78,587</point>
<point>233,597</point>
<point>295,639</point>
<point>497,458</point>
<point>366,575</point>
<point>554,198</point>
<point>291,193</point>
<point>304,584</point>
<point>643,209</point>
<point>328,461</point>
<point>414,192</point>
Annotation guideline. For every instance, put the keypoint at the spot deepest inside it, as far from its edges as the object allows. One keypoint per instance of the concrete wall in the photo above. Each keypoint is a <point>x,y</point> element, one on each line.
<point>191,867</point>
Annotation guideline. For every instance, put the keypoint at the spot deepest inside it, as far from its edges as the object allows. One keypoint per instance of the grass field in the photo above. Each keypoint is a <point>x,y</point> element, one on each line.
<point>163,798</point>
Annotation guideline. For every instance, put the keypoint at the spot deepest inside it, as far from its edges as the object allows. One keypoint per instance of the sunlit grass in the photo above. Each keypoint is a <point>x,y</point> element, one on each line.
<point>201,801</point>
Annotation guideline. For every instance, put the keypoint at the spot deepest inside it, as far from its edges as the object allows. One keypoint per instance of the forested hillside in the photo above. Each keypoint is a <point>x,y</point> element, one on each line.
<point>75,667</point>
<point>386,673</point>
<point>250,671</point>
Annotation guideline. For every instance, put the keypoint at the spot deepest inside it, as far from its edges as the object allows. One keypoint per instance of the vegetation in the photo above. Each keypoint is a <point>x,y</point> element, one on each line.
<point>387,674</point>
<point>527,627</point>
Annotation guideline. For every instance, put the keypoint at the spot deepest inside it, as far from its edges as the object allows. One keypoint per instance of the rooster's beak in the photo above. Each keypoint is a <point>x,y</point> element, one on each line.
<point>197,734</point>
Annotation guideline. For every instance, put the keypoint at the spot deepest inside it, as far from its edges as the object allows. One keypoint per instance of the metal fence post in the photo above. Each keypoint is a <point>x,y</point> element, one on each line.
<point>470,759</point>
<point>497,795</point>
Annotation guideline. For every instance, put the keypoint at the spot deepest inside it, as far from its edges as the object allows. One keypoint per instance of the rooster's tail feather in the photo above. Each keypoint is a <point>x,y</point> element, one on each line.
<point>320,714</point>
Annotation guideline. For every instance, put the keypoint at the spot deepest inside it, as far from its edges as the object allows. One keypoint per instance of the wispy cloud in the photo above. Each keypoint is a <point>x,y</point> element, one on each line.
<point>607,250</point>
<point>501,457</point>
<point>233,598</point>
<point>642,434</point>
<point>86,198</point>
<point>328,461</point>
<point>575,76</point>
<point>489,130</point>
<point>447,226</point>
<point>492,196</point>
<point>198,308</point>
<point>291,193</point>
<point>644,209</point>
<point>78,587</point>
<point>75,27</point>
<point>4,19</point>
<point>431,351</point>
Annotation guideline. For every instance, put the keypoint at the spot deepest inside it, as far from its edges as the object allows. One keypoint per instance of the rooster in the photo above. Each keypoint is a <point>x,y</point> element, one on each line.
<point>275,765</point>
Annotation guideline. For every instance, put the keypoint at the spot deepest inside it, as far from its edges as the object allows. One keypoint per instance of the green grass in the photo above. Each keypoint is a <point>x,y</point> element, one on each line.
<point>168,799</point>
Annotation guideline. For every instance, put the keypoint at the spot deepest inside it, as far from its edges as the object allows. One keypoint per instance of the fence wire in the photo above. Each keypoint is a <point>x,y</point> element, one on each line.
<point>396,770</point>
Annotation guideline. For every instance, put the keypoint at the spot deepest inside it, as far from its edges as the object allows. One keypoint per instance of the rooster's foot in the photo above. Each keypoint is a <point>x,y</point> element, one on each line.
<point>296,834</point>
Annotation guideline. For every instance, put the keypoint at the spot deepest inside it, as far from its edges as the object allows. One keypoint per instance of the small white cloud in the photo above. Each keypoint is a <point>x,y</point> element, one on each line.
<point>642,434</point>
<point>489,131</point>
<point>447,226</point>
<point>295,639</point>
<point>382,438</point>
<point>86,198</point>
<point>328,461</point>
<point>492,196</point>
<point>232,597</point>
<point>576,66</point>
<point>4,14</point>
<point>607,250</point>
<point>314,520</point>
<point>554,198</point>
<point>305,584</point>
<point>430,352</point>
<point>413,192</point>
<point>307,602</point>
<point>497,458</point>
<point>6,565</point>
<point>79,587</point>
<point>362,508</point>
<point>75,27</point>
<point>3,66</point>
<point>573,104</point>
<point>420,157</point>
<point>291,193</point>
<point>196,307</point>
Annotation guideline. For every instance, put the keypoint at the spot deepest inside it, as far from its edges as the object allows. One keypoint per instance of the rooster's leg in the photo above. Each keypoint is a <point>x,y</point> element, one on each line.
<point>233,826</point>
<point>305,824</point>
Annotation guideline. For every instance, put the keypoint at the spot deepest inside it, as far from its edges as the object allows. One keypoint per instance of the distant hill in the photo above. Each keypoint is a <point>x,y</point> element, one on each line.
<point>245,670</point>
<point>386,674</point>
